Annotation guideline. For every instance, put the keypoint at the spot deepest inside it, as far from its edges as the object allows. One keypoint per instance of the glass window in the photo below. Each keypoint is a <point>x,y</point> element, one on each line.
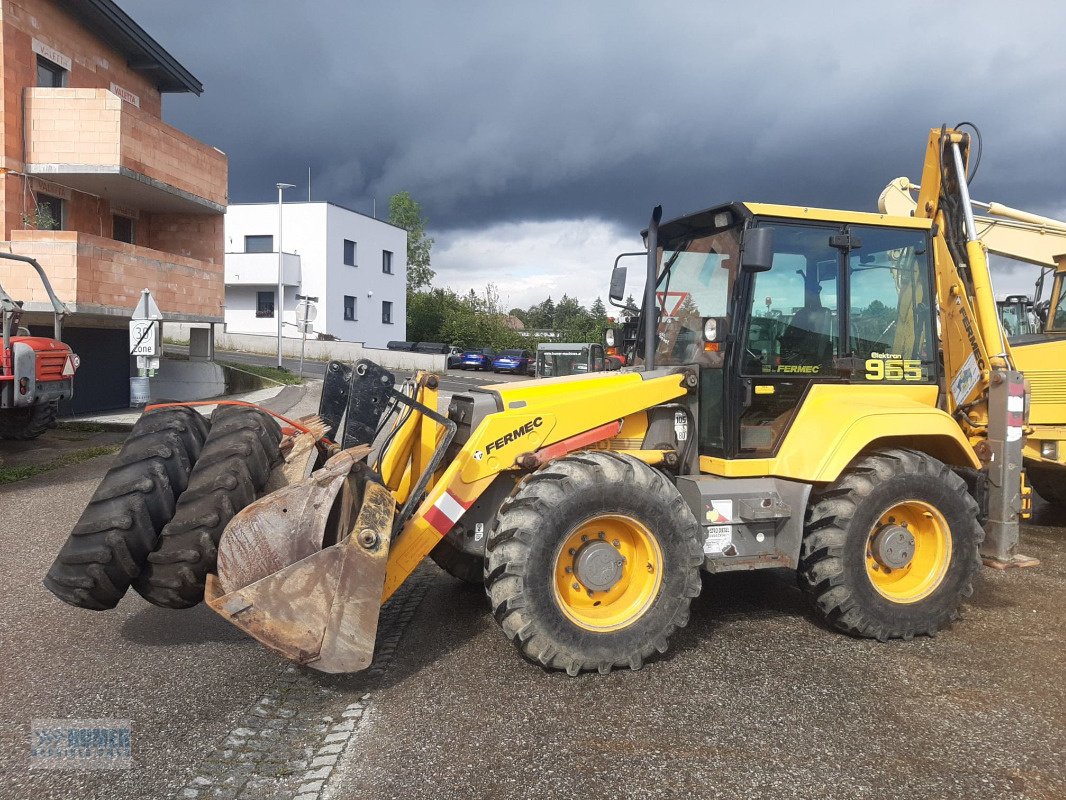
<point>264,304</point>
<point>259,244</point>
<point>597,358</point>
<point>50,75</point>
<point>386,312</point>
<point>696,280</point>
<point>349,308</point>
<point>890,315</point>
<point>1058,322</point>
<point>349,252</point>
<point>122,229</point>
<point>386,262</point>
<point>793,328</point>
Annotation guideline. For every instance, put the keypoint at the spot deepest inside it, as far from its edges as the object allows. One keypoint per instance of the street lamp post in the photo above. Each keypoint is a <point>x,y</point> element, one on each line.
<point>281,267</point>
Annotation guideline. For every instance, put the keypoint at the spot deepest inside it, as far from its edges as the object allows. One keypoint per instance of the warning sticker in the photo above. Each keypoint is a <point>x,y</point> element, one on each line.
<point>720,511</point>
<point>964,381</point>
<point>719,537</point>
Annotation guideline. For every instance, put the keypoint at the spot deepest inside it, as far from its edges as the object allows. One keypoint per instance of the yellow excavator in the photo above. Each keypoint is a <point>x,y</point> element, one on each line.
<point>1035,327</point>
<point>827,391</point>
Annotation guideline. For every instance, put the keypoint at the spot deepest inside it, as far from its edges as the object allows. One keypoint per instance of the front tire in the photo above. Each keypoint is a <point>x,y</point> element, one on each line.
<point>28,422</point>
<point>890,548</point>
<point>593,563</point>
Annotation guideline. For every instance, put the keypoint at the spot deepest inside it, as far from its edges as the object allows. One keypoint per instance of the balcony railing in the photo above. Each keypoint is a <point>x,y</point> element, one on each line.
<point>261,269</point>
<point>98,276</point>
<point>92,141</point>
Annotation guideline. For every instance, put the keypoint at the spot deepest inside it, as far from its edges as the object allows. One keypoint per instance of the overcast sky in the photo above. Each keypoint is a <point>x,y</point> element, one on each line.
<point>538,136</point>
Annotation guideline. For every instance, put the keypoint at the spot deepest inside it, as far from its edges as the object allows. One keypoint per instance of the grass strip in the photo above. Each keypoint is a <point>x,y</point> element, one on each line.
<point>14,474</point>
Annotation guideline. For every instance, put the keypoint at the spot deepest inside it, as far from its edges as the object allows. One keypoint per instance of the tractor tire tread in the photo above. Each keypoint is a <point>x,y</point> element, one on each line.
<point>823,573</point>
<point>112,538</point>
<point>240,451</point>
<point>521,521</point>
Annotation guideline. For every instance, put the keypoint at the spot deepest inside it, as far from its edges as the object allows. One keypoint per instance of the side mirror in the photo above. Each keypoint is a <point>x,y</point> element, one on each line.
<point>618,284</point>
<point>613,337</point>
<point>757,250</point>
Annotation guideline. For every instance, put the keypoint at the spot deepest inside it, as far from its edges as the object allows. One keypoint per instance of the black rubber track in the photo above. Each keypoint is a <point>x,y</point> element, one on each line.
<point>1049,483</point>
<point>240,451</point>
<point>27,423</point>
<point>118,529</point>
<point>832,568</point>
<point>467,567</point>
<point>533,524</point>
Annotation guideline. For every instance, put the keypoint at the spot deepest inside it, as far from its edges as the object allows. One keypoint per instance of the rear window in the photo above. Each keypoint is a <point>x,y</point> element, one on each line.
<point>517,353</point>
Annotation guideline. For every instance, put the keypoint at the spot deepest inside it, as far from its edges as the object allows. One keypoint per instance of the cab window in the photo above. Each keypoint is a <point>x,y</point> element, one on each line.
<point>793,328</point>
<point>890,317</point>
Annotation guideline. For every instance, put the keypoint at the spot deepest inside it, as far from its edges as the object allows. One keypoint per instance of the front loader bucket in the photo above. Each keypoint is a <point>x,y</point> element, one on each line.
<point>302,569</point>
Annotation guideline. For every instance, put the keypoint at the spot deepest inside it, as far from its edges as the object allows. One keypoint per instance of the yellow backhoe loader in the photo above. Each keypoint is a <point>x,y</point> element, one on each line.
<point>827,391</point>
<point>1035,328</point>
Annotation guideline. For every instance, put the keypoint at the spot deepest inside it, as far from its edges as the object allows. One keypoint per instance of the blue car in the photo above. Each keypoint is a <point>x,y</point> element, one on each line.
<point>478,359</point>
<point>516,361</point>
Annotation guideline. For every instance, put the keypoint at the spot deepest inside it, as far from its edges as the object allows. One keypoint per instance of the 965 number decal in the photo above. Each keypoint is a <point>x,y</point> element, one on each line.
<point>892,368</point>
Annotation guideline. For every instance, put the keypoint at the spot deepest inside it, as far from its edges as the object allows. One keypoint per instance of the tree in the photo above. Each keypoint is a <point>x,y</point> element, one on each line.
<point>406,213</point>
<point>597,309</point>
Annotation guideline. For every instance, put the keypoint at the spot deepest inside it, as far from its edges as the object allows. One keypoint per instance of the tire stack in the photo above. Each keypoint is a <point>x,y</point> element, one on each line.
<point>155,520</point>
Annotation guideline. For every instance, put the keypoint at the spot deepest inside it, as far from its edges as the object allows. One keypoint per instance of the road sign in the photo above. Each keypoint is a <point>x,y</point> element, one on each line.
<point>146,307</point>
<point>306,311</point>
<point>144,337</point>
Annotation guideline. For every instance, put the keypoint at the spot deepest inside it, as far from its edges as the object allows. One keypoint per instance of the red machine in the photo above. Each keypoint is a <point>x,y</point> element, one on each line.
<point>36,372</point>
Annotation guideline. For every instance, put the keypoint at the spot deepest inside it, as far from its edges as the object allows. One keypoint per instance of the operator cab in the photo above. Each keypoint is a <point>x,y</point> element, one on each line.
<point>834,298</point>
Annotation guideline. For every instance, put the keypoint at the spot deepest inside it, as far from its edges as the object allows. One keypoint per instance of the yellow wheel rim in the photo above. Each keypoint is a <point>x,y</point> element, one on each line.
<point>622,566</point>
<point>916,528</point>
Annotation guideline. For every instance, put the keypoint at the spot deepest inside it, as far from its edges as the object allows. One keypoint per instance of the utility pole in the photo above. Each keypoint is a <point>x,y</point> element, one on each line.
<point>280,302</point>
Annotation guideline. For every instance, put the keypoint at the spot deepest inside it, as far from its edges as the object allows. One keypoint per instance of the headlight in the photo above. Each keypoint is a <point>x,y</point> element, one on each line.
<point>710,330</point>
<point>1049,450</point>
<point>609,337</point>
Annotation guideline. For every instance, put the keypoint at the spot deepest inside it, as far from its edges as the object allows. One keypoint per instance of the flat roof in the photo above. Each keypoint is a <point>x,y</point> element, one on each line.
<point>274,204</point>
<point>143,53</point>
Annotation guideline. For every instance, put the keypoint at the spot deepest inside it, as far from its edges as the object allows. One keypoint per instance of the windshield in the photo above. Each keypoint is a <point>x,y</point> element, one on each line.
<point>695,282</point>
<point>557,363</point>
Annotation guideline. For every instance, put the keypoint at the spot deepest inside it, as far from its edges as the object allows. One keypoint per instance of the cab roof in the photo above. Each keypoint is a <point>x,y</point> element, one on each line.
<point>702,221</point>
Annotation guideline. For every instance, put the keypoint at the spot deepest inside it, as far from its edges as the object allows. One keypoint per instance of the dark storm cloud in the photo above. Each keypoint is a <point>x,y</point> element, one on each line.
<point>503,111</point>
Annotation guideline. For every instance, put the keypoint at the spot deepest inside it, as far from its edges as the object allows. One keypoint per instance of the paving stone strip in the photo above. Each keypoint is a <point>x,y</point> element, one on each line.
<point>287,743</point>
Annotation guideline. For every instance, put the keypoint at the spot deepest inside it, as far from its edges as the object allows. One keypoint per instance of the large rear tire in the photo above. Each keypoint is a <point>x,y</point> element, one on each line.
<point>28,422</point>
<point>240,451</point>
<point>593,563</point>
<point>890,548</point>
<point>118,529</point>
<point>1049,483</point>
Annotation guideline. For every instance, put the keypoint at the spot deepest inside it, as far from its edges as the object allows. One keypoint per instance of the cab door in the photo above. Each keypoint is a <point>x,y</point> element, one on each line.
<point>791,335</point>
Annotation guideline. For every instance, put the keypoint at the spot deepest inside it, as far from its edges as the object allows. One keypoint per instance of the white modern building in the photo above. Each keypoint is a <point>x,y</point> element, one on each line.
<point>354,264</point>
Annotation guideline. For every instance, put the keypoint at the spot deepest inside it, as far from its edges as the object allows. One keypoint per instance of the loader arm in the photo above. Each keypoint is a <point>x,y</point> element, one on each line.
<point>984,391</point>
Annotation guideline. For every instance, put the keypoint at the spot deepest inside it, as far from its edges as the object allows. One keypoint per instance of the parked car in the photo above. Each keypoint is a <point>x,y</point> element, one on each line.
<point>478,359</point>
<point>516,361</point>
<point>455,358</point>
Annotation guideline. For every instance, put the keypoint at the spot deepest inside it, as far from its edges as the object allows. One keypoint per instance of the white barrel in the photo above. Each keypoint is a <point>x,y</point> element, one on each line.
<point>138,392</point>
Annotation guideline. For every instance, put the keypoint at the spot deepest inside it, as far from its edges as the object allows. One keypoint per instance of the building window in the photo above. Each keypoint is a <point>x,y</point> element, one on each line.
<point>386,261</point>
<point>386,312</point>
<point>49,74</point>
<point>259,244</point>
<point>264,304</point>
<point>349,252</point>
<point>349,308</point>
<point>49,216</point>
<point>122,229</point>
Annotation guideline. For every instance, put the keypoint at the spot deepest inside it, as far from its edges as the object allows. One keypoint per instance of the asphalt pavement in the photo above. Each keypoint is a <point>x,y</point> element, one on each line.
<point>754,699</point>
